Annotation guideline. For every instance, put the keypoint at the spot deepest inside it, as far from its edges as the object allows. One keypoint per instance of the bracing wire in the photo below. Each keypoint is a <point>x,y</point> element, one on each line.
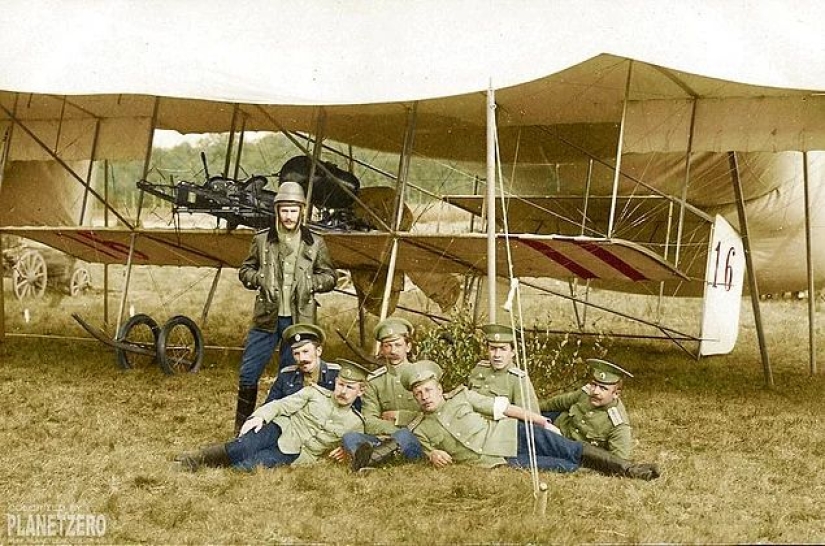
<point>521,351</point>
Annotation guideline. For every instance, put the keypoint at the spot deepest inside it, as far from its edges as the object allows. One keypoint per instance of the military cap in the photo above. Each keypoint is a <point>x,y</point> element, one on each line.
<point>300,334</point>
<point>420,371</point>
<point>605,372</point>
<point>352,371</point>
<point>392,327</point>
<point>498,333</point>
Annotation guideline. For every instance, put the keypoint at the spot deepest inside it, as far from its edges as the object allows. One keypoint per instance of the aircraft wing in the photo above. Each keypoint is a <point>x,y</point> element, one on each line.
<point>532,255</point>
<point>190,247</point>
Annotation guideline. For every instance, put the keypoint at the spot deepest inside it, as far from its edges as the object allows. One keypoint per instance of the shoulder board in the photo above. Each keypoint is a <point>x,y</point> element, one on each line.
<point>377,373</point>
<point>332,366</point>
<point>455,391</point>
<point>517,372</point>
<point>264,230</point>
<point>586,389</point>
<point>615,416</point>
<point>484,363</point>
<point>290,368</point>
<point>415,422</point>
<point>325,391</point>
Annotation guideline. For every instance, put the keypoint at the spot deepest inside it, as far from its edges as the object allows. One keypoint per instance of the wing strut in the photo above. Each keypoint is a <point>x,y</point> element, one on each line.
<point>754,289</point>
<point>403,173</point>
<point>491,204</point>
<point>146,159</point>
<point>809,256</point>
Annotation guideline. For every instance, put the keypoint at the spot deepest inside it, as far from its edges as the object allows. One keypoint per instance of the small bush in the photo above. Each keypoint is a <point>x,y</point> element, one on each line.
<point>555,363</point>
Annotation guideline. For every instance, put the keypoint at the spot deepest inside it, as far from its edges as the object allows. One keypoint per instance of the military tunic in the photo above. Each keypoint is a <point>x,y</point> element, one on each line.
<point>462,427</point>
<point>311,422</point>
<point>291,380</point>
<point>607,427</point>
<point>510,383</point>
<point>385,393</point>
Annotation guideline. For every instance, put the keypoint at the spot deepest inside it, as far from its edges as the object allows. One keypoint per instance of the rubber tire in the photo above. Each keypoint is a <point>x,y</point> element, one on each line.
<point>125,359</point>
<point>169,362</point>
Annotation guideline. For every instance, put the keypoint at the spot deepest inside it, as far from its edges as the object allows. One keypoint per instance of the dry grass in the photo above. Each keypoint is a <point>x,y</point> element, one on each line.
<point>741,463</point>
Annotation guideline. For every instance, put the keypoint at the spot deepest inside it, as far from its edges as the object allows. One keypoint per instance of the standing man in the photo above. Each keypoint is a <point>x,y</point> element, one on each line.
<point>387,406</point>
<point>298,429</point>
<point>458,428</point>
<point>306,343</point>
<point>287,264</point>
<point>594,414</point>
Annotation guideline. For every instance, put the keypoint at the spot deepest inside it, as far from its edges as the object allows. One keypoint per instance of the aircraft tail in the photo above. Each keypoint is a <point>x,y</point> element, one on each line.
<point>724,276</point>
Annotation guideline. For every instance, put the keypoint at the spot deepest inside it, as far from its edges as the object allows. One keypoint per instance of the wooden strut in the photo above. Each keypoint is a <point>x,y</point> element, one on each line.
<point>810,263</point>
<point>754,289</point>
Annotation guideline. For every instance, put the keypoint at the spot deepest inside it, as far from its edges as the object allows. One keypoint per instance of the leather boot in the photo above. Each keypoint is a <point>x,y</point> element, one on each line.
<point>605,462</point>
<point>214,455</point>
<point>369,456</point>
<point>247,396</point>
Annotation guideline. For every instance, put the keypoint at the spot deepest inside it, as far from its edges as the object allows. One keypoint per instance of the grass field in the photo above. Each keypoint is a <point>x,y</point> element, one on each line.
<point>741,463</point>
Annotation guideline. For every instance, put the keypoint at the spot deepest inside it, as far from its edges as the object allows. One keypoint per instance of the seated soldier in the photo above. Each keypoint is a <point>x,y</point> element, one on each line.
<point>499,376</point>
<point>594,414</point>
<point>306,342</point>
<point>297,429</point>
<point>460,428</point>
<point>387,406</point>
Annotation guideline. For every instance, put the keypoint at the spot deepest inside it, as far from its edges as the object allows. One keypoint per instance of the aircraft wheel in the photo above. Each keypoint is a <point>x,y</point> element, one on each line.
<point>81,281</point>
<point>29,276</point>
<point>140,330</point>
<point>180,346</point>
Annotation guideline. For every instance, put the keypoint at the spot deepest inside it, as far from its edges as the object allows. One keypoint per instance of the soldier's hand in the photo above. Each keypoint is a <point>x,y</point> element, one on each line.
<point>440,459</point>
<point>390,416</point>
<point>253,423</point>
<point>552,428</point>
<point>338,454</point>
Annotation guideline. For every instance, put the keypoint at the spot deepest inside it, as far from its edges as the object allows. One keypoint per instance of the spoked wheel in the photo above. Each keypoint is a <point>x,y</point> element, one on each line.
<point>29,275</point>
<point>180,346</point>
<point>142,331</point>
<point>81,281</point>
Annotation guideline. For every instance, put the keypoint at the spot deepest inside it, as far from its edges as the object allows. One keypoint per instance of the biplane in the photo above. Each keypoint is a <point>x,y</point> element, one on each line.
<point>670,171</point>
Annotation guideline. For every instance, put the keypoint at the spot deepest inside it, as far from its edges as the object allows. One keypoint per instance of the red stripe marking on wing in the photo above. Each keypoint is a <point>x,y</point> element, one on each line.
<point>560,259</point>
<point>613,261</point>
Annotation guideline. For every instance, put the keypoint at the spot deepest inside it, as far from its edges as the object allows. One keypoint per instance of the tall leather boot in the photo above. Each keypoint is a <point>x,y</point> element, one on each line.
<point>605,462</point>
<point>370,456</point>
<point>247,396</point>
<point>214,455</point>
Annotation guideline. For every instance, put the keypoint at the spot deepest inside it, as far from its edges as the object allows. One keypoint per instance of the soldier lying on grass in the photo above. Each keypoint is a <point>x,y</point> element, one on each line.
<point>298,429</point>
<point>458,428</point>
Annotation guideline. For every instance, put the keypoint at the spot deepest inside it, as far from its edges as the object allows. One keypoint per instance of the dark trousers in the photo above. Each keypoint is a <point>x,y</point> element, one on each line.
<point>407,442</point>
<point>259,449</point>
<point>553,451</point>
<point>258,349</point>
